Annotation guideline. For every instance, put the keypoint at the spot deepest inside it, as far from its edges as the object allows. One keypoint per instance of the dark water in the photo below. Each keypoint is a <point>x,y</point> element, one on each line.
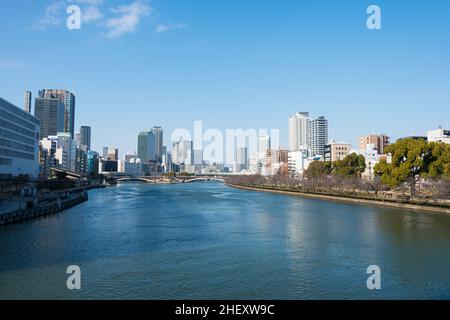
<point>208,241</point>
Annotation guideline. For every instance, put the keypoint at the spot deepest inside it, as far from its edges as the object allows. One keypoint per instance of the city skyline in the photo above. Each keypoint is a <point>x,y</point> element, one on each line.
<point>324,61</point>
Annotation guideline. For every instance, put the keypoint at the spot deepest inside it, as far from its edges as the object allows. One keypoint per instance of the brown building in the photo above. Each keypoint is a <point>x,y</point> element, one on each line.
<point>379,141</point>
<point>277,156</point>
<point>336,151</point>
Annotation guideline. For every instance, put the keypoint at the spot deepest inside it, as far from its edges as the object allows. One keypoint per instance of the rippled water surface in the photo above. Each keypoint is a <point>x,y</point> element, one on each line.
<point>209,241</point>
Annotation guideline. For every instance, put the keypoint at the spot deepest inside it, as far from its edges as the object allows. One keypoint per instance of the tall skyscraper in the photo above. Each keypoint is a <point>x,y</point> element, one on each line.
<point>85,136</point>
<point>158,132</point>
<point>27,101</point>
<point>317,136</point>
<point>183,153</point>
<point>147,146</point>
<point>105,153</point>
<point>68,99</point>
<point>263,146</point>
<point>50,112</point>
<point>241,159</point>
<point>298,131</point>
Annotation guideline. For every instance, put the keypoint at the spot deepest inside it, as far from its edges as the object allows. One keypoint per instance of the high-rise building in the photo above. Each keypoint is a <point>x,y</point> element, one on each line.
<point>241,159</point>
<point>298,131</point>
<point>85,136</point>
<point>92,158</point>
<point>158,133</point>
<point>27,101</point>
<point>66,152</point>
<point>68,99</point>
<point>317,136</point>
<point>50,112</point>
<point>380,142</point>
<point>263,146</point>
<point>182,152</point>
<point>105,153</point>
<point>147,148</point>
<point>77,138</point>
<point>19,141</point>
<point>81,160</point>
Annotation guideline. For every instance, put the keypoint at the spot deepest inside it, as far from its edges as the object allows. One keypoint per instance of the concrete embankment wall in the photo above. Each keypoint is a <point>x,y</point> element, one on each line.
<point>384,203</point>
<point>44,208</point>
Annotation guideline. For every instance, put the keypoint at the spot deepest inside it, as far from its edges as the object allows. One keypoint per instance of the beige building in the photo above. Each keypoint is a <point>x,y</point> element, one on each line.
<point>380,142</point>
<point>336,151</point>
<point>439,135</point>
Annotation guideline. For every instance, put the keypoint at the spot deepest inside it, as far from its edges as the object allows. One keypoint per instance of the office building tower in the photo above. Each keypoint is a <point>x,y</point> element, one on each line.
<point>92,164</point>
<point>85,137</point>
<point>66,151</point>
<point>317,136</point>
<point>298,131</point>
<point>27,102</point>
<point>105,153</point>
<point>50,112</point>
<point>19,141</point>
<point>147,148</point>
<point>241,159</point>
<point>158,133</point>
<point>68,99</point>
<point>77,138</point>
<point>182,152</point>
<point>263,146</point>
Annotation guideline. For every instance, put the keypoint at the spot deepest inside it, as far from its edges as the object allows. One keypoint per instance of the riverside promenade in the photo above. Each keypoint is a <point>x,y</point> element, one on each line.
<point>18,209</point>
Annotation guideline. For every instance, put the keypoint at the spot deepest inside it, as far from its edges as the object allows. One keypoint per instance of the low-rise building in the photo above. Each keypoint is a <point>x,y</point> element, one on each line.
<point>439,135</point>
<point>298,162</point>
<point>336,151</point>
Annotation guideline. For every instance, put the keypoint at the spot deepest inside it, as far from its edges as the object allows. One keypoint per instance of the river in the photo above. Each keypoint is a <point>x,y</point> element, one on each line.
<point>210,241</point>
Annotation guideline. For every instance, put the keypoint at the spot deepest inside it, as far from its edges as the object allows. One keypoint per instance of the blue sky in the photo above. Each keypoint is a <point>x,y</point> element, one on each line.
<point>233,64</point>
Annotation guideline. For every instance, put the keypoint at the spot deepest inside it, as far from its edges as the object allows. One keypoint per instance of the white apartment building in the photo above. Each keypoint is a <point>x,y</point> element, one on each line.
<point>298,131</point>
<point>371,154</point>
<point>66,151</point>
<point>298,162</point>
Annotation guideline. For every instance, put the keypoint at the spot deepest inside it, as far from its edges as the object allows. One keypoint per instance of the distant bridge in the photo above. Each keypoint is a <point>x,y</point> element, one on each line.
<point>162,179</point>
<point>142,179</point>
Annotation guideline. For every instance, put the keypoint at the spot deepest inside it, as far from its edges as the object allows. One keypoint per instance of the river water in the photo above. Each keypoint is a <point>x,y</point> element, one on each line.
<point>209,241</point>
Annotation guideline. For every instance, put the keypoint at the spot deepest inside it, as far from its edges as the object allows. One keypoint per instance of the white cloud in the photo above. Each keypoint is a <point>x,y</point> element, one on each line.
<point>91,14</point>
<point>52,16</point>
<point>95,3</point>
<point>164,27</point>
<point>128,20</point>
<point>118,21</point>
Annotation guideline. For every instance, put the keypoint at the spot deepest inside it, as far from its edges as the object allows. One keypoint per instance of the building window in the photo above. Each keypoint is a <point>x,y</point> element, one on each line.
<point>5,162</point>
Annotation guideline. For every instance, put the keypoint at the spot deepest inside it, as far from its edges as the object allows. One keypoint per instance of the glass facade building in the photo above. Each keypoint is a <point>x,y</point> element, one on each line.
<point>19,141</point>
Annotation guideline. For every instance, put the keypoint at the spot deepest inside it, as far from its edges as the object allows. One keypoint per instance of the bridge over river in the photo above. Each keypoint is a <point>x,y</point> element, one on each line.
<point>173,180</point>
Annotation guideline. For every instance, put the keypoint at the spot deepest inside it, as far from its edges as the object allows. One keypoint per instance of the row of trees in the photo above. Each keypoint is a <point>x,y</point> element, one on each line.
<point>413,162</point>
<point>352,165</point>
